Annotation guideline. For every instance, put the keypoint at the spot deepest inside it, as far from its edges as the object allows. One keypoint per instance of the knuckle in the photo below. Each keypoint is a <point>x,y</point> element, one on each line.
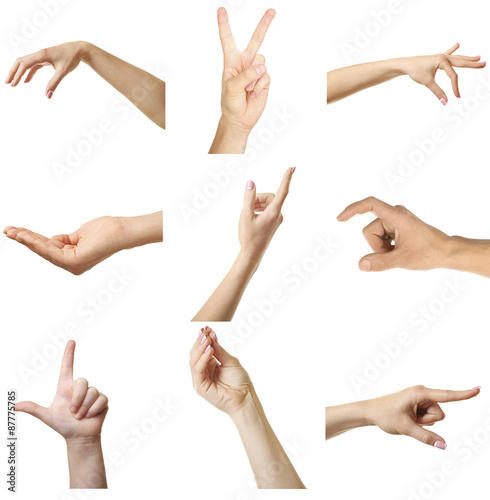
<point>425,438</point>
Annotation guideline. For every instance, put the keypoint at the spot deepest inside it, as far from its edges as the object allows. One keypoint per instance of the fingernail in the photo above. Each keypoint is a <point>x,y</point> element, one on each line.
<point>12,84</point>
<point>249,86</point>
<point>50,94</point>
<point>477,388</point>
<point>483,62</point>
<point>73,409</point>
<point>292,170</point>
<point>365,265</point>
<point>207,348</point>
<point>440,445</point>
<point>78,416</point>
<point>253,94</point>
<point>260,70</point>
<point>443,101</point>
<point>203,339</point>
<point>19,239</point>
<point>200,333</point>
<point>250,185</point>
<point>215,337</point>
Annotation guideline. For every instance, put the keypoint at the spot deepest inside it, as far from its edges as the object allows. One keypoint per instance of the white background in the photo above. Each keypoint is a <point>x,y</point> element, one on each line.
<point>303,356</point>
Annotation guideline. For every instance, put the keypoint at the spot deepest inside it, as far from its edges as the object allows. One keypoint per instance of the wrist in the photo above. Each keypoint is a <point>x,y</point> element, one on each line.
<point>250,412</point>
<point>464,254</point>
<point>140,230</point>
<point>86,51</point>
<point>230,138</point>
<point>399,66</point>
<point>247,262</point>
<point>84,447</point>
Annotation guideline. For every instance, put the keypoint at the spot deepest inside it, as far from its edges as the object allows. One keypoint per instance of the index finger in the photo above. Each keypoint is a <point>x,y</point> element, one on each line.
<point>454,48</point>
<point>377,207</point>
<point>283,190</point>
<point>225,35</point>
<point>442,396</point>
<point>66,372</point>
<point>260,32</point>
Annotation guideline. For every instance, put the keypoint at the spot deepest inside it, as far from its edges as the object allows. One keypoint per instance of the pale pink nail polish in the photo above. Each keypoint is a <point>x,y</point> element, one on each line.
<point>250,185</point>
<point>73,409</point>
<point>50,94</point>
<point>215,337</point>
<point>478,387</point>
<point>440,445</point>
<point>249,86</point>
<point>253,94</point>
<point>293,170</point>
<point>203,339</point>
<point>260,70</point>
<point>483,62</point>
<point>207,348</point>
<point>78,416</point>
<point>443,101</point>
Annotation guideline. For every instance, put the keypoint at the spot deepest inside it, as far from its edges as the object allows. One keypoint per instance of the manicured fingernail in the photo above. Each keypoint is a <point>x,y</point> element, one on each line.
<point>477,388</point>
<point>443,101</point>
<point>12,84</point>
<point>253,94</point>
<point>293,170</point>
<point>250,185</point>
<point>483,62</point>
<point>260,70</point>
<point>200,333</point>
<point>365,265</point>
<point>73,409</point>
<point>50,94</point>
<point>440,445</point>
<point>249,87</point>
<point>78,416</point>
<point>207,348</point>
<point>203,339</point>
<point>215,337</point>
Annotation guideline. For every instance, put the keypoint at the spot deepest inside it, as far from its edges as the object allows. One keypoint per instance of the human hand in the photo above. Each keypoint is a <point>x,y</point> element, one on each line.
<point>423,69</point>
<point>398,238</point>
<point>218,376</point>
<point>408,412</point>
<point>94,242</point>
<point>245,85</point>
<point>64,58</point>
<point>77,411</point>
<point>260,217</point>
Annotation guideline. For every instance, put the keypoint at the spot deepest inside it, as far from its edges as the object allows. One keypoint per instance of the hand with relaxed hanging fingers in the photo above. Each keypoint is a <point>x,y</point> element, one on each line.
<point>261,217</point>
<point>245,86</point>
<point>94,242</point>
<point>423,69</point>
<point>398,238</point>
<point>144,90</point>
<point>218,376</point>
<point>406,413</point>
<point>76,413</point>
<point>221,380</point>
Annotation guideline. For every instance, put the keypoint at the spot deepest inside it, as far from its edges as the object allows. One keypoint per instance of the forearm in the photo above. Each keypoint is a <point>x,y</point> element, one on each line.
<point>271,466</point>
<point>86,463</point>
<point>142,230</point>
<point>223,303</point>
<point>343,418</point>
<point>229,139</point>
<point>469,255</point>
<point>344,82</point>
<point>144,90</point>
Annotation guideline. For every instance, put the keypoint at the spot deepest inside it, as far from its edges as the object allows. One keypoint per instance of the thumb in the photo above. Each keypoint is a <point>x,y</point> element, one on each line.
<point>425,436</point>
<point>54,82</point>
<point>379,261</point>
<point>33,409</point>
<point>249,198</point>
<point>223,356</point>
<point>438,92</point>
<point>250,75</point>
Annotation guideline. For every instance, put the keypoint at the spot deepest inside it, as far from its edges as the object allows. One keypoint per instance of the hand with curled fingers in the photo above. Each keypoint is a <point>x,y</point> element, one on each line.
<point>93,242</point>
<point>423,69</point>
<point>245,86</point>
<point>407,412</point>
<point>218,376</point>
<point>259,220</point>
<point>398,238</point>
<point>77,413</point>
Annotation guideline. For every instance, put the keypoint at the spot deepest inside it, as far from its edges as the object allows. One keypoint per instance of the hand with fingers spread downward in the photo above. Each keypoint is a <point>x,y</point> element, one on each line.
<point>245,86</point>
<point>93,242</point>
<point>406,413</point>
<point>344,82</point>
<point>260,218</point>
<point>145,91</point>
<point>399,239</point>
<point>76,413</point>
<point>221,380</point>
